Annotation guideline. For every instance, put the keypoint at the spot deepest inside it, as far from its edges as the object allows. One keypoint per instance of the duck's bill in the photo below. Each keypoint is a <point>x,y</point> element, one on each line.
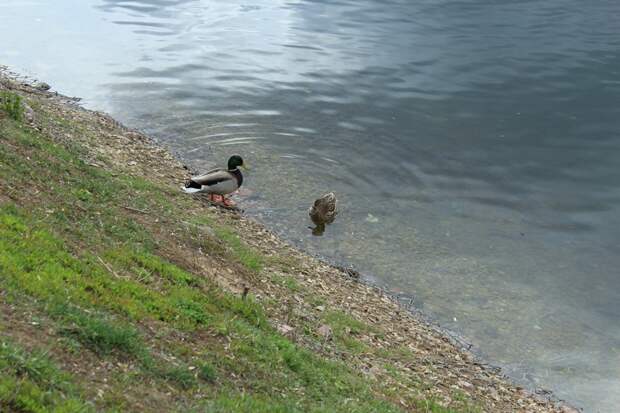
<point>245,167</point>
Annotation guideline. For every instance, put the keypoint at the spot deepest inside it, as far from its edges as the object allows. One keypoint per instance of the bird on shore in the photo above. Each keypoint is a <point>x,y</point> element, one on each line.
<point>219,182</point>
<point>323,212</point>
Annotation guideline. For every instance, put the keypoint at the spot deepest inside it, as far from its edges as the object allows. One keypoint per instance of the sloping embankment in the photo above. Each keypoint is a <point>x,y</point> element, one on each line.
<point>120,293</point>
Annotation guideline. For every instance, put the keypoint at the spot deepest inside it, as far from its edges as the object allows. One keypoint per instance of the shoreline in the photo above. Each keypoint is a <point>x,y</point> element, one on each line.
<point>298,292</point>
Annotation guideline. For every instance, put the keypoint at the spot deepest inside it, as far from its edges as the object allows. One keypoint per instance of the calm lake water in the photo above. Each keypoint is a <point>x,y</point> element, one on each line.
<point>474,145</point>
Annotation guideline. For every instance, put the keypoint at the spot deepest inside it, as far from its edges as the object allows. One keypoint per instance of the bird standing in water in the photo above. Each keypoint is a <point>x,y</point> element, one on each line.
<point>322,212</point>
<point>219,182</point>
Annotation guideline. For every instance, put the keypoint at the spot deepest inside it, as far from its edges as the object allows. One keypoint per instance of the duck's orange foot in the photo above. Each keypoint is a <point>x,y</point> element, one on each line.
<point>228,202</point>
<point>215,198</point>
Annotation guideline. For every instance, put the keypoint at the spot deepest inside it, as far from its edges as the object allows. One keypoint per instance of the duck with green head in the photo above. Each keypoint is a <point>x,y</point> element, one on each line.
<point>219,182</point>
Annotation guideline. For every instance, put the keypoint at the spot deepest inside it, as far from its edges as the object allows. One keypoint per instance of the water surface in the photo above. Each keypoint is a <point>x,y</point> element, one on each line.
<point>474,145</point>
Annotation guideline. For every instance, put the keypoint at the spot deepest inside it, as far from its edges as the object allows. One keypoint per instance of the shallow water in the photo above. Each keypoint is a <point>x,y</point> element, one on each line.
<point>474,145</point>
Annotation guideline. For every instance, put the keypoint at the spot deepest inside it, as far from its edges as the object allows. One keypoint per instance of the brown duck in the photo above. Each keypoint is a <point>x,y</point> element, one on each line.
<point>323,212</point>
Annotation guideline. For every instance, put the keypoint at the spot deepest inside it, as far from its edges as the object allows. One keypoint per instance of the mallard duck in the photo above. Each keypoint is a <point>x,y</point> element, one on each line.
<point>323,211</point>
<point>218,182</point>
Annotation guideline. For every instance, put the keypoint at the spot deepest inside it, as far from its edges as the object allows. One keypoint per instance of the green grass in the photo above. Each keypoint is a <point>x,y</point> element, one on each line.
<point>227,242</point>
<point>345,328</point>
<point>207,372</point>
<point>11,103</point>
<point>37,263</point>
<point>30,382</point>
<point>287,282</point>
<point>246,403</point>
<point>98,333</point>
<point>244,254</point>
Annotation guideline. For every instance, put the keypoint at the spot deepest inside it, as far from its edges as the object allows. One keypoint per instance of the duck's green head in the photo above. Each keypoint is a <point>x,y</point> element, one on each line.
<point>235,162</point>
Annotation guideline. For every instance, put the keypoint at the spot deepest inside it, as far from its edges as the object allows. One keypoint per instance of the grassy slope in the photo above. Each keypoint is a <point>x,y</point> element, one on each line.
<point>99,314</point>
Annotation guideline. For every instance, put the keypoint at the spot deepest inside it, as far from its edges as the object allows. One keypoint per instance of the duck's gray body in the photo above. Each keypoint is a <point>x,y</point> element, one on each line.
<point>216,181</point>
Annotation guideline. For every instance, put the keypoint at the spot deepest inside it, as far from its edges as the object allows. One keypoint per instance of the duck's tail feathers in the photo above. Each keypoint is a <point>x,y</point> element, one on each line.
<point>189,190</point>
<point>190,183</point>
